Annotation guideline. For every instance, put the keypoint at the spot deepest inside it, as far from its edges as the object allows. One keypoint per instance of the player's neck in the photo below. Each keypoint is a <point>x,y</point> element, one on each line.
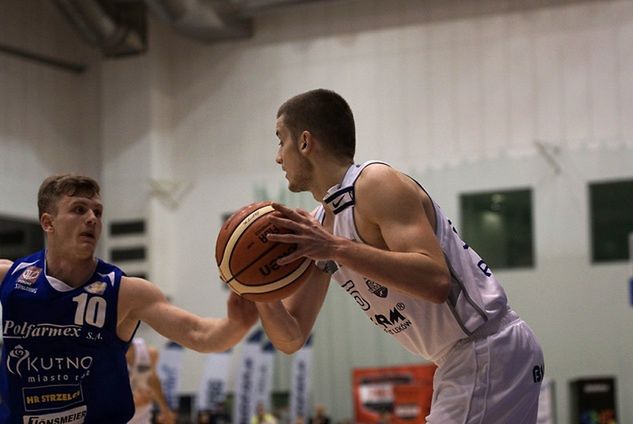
<point>328,175</point>
<point>72,271</point>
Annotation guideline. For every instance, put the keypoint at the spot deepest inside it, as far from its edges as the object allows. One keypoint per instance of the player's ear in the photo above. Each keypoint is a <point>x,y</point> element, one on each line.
<point>46,222</point>
<point>305,141</point>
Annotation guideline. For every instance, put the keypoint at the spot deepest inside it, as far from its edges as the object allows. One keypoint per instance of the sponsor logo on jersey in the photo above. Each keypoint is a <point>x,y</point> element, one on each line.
<point>393,323</point>
<point>71,416</point>
<point>350,288</point>
<point>29,275</point>
<point>43,369</point>
<point>28,278</point>
<point>340,200</point>
<point>51,397</point>
<point>336,203</point>
<point>25,330</point>
<point>538,372</point>
<point>98,287</point>
<point>377,289</point>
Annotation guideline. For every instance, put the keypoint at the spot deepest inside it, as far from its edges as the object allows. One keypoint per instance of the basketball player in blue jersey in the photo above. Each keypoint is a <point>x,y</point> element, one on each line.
<point>68,318</point>
<point>381,237</point>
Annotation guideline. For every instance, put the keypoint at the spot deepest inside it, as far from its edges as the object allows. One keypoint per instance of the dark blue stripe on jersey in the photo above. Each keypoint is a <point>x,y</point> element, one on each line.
<point>343,207</point>
<point>338,193</point>
<point>340,199</point>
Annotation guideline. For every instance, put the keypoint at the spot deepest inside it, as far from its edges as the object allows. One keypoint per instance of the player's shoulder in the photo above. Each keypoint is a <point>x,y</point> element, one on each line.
<point>379,180</point>
<point>136,291</point>
<point>135,296</point>
<point>385,190</point>
<point>5,265</point>
<point>373,173</point>
<point>135,283</point>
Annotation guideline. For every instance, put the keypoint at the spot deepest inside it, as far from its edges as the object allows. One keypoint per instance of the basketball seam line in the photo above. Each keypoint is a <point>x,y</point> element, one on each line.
<point>244,268</point>
<point>282,283</point>
<point>231,242</point>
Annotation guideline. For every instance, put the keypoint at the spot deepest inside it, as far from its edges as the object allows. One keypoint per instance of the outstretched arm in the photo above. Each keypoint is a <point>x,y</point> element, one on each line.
<point>141,300</point>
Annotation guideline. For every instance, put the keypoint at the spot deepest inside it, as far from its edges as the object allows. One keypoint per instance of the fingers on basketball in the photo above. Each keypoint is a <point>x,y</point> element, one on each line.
<point>248,259</point>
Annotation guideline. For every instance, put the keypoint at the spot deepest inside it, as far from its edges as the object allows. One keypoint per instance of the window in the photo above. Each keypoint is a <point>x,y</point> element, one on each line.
<point>127,244</point>
<point>498,226</point>
<point>19,238</point>
<point>611,215</point>
<point>120,228</point>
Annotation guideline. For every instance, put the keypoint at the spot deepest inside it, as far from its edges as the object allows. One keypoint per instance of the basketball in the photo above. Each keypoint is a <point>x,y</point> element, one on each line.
<point>247,260</point>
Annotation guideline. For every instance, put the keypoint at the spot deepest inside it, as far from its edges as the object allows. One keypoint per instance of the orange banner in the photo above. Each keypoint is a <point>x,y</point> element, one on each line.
<point>399,394</point>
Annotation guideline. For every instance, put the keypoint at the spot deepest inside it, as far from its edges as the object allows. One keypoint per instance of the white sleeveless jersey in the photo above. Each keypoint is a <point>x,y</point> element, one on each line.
<point>422,327</point>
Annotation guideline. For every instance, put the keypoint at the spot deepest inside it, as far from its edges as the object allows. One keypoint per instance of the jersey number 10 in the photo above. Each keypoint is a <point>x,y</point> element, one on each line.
<point>91,310</point>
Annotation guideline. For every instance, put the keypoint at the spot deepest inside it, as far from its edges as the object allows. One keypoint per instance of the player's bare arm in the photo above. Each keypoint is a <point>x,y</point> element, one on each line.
<point>5,264</point>
<point>288,322</point>
<point>141,300</point>
<point>401,250</point>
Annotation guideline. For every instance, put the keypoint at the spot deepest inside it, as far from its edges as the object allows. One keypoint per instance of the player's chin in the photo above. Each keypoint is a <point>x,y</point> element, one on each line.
<point>294,188</point>
<point>86,250</point>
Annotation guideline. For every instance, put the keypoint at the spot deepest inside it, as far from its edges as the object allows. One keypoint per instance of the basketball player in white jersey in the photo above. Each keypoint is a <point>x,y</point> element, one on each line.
<point>381,237</point>
<point>146,387</point>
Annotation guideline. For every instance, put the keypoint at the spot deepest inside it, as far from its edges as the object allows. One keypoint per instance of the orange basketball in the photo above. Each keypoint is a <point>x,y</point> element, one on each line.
<point>247,260</point>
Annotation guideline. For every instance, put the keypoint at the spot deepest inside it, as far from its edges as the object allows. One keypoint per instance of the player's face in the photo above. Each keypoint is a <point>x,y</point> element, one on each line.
<point>76,226</point>
<point>292,162</point>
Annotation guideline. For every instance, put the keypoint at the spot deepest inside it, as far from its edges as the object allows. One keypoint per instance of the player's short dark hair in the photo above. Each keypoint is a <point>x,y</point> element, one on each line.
<point>326,115</point>
<point>56,186</point>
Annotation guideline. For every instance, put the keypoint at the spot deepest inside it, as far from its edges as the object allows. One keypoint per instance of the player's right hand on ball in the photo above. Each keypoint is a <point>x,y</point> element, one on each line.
<point>312,239</point>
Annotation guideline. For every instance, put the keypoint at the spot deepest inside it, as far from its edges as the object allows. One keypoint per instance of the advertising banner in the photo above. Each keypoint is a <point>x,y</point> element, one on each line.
<point>169,369</point>
<point>593,400</point>
<point>264,376</point>
<point>301,381</point>
<point>403,393</point>
<point>244,400</point>
<point>212,388</point>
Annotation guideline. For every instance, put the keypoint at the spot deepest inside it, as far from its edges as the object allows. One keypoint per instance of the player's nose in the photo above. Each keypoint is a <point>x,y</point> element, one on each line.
<point>92,217</point>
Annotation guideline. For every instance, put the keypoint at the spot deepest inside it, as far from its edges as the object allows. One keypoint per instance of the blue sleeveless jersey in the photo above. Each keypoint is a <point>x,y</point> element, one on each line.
<point>62,361</point>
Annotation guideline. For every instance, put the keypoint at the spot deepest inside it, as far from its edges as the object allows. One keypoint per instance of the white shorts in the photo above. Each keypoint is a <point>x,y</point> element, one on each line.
<point>490,380</point>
